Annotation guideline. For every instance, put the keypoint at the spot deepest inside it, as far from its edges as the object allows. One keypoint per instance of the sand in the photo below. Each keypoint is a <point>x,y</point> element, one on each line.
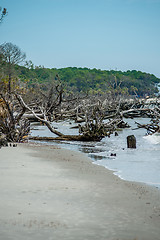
<point>52,193</point>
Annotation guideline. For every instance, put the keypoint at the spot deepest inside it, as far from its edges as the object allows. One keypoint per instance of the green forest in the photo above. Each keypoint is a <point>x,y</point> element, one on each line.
<point>93,81</point>
<point>73,79</point>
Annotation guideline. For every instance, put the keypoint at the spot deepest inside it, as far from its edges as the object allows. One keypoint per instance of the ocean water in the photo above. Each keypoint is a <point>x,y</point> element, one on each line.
<point>141,164</point>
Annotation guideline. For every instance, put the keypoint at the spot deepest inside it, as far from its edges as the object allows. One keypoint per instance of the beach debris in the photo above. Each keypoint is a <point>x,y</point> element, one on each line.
<point>153,127</point>
<point>131,141</point>
<point>113,155</point>
<point>98,116</point>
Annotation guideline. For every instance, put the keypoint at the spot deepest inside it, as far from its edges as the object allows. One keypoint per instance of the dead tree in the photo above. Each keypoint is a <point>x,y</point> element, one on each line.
<point>55,102</point>
<point>12,125</point>
<point>151,128</point>
<point>15,125</point>
<point>154,125</point>
<point>93,130</point>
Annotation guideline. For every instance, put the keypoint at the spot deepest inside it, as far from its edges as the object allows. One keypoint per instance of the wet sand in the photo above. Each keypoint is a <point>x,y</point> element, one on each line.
<point>51,193</point>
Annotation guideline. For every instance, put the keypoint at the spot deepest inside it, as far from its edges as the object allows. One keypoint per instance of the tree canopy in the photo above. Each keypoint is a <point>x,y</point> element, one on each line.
<point>95,81</point>
<point>10,55</point>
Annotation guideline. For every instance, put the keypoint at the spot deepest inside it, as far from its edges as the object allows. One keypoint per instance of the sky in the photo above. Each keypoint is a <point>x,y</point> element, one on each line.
<point>103,34</point>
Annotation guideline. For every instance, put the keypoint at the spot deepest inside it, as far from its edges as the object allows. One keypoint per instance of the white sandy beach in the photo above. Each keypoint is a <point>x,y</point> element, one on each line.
<point>51,193</point>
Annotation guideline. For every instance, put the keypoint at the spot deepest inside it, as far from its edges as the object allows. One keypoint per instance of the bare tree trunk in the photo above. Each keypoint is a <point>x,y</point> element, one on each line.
<point>45,121</point>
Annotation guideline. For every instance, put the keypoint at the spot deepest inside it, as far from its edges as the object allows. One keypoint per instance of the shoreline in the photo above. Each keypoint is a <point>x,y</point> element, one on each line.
<point>126,165</point>
<point>116,173</point>
<point>90,159</point>
<point>54,193</point>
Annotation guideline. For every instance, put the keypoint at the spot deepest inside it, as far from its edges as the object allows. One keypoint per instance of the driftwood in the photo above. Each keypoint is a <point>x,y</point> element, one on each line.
<point>89,132</point>
<point>45,121</point>
<point>85,137</point>
<point>154,125</point>
<point>151,128</point>
<point>76,108</point>
<point>31,117</point>
<point>91,115</point>
<point>66,138</point>
<point>93,130</point>
<point>134,113</point>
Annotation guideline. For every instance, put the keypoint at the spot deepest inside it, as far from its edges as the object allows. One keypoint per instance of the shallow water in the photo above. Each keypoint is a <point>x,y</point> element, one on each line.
<point>141,164</point>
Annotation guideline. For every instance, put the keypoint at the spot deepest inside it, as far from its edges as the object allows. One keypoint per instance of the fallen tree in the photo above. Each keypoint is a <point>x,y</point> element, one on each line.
<point>94,128</point>
<point>151,128</point>
<point>154,125</point>
<point>14,114</point>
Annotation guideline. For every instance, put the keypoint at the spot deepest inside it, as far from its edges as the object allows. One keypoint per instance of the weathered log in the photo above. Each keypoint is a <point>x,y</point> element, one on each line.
<point>131,141</point>
<point>32,118</point>
<point>141,112</point>
<point>151,128</point>
<point>67,138</point>
<point>80,120</point>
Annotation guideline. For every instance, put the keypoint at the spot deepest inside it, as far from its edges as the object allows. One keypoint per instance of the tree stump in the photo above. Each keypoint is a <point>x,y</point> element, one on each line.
<point>131,141</point>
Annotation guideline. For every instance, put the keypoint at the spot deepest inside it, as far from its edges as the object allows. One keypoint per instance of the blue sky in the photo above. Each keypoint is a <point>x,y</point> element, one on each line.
<point>104,34</point>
